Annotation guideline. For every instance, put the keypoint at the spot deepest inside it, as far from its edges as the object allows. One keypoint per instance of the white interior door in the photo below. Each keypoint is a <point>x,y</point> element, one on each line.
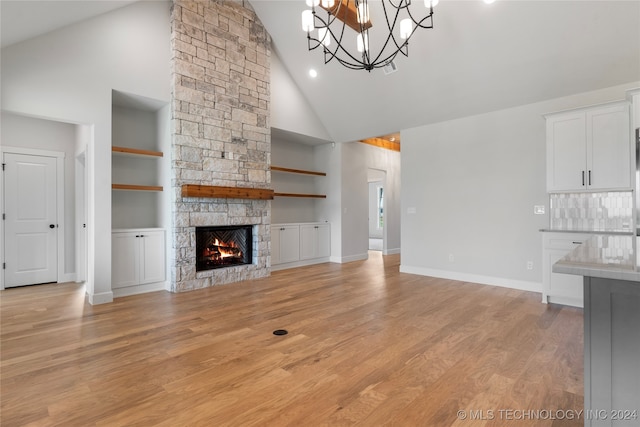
<point>30,224</point>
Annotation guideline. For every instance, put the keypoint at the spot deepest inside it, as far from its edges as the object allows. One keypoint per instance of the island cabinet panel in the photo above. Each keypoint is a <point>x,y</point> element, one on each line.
<point>611,352</point>
<point>589,149</point>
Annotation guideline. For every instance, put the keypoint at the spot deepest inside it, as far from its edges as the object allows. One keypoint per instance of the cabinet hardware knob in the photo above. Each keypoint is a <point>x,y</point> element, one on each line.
<point>52,226</point>
<point>589,177</point>
<point>577,243</point>
<point>582,177</point>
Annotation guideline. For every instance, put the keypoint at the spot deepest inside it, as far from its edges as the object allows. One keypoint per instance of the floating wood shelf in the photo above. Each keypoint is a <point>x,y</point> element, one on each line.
<point>211,191</point>
<point>305,172</point>
<point>135,151</point>
<point>136,187</point>
<point>316,196</point>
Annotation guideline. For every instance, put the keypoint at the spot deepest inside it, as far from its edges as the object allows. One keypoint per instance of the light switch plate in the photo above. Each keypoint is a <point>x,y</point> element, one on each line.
<point>538,209</point>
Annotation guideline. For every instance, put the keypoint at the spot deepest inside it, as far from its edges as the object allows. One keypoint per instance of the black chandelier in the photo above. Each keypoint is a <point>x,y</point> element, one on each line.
<point>324,31</point>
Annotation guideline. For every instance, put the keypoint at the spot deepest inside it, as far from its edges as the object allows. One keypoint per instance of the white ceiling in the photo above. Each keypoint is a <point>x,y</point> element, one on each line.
<point>478,58</point>
<point>24,19</point>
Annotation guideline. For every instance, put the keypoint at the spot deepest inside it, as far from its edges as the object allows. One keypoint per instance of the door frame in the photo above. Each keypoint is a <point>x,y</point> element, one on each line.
<point>60,156</point>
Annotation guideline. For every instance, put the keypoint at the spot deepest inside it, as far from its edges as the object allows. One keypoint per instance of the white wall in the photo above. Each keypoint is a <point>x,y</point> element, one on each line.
<point>28,132</point>
<point>473,183</point>
<point>289,109</point>
<point>68,75</point>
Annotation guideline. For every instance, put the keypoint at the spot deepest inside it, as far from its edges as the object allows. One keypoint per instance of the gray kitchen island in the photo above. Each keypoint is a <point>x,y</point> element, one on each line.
<point>611,271</point>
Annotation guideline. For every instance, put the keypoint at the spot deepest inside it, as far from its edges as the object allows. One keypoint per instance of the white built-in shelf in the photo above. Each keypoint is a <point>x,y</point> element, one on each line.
<point>303,172</point>
<point>300,171</point>
<point>136,151</point>
<point>136,187</point>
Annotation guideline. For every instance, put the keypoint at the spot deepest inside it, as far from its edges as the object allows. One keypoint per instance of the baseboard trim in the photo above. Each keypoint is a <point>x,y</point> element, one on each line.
<point>502,282</point>
<point>302,263</point>
<point>139,289</point>
<point>391,251</point>
<point>68,277</point>
<point>101,298</point>
<point>351,258</point>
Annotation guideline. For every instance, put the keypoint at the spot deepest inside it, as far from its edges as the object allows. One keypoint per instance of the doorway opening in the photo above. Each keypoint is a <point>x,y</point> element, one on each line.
<point>376,179</point>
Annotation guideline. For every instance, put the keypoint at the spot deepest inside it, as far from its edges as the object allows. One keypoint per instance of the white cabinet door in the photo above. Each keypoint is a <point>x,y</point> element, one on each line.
<point>285,243</point>
<point>558,287</point>
<point>125,266</point>
<point>275,244</point>
<point>608,147</point>
<point>324,241</point>
<point>566,154</point>
<point>589,149</point>
<point>152,262</point>
<point>289,243</point>
<point>137,258</point>
<point>314,241</point>
<point>308,241</point>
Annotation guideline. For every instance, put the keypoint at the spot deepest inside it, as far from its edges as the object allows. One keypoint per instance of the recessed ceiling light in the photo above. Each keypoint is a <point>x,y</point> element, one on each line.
<point>488,1</point>
<point>313,73</point>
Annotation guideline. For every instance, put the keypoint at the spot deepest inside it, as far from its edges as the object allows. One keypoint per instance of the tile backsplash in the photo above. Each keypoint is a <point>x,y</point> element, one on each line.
<point>606,211</point>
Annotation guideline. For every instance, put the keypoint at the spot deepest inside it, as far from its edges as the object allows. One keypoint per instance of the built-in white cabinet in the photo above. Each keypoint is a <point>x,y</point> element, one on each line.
<point>137,258</point>
<point>295,245</point>
<point>589,149</point>
<point>314,241</point>
<point>285,243</point>
<point>560,288</point>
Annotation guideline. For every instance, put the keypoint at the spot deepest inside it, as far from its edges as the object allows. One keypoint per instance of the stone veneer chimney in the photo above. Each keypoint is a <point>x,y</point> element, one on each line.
<point>221,134</point>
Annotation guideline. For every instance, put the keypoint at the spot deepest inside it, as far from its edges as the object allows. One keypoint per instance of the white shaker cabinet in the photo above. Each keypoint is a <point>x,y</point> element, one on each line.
<point>137,257</point>
<point>285,243</point>
<point>314,241</point>
<point>299,244</point>
<point>589,149</point>
<point>561,288</point>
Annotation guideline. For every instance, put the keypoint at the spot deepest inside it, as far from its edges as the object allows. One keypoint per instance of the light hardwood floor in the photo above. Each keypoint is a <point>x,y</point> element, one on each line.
<point>367,346</point>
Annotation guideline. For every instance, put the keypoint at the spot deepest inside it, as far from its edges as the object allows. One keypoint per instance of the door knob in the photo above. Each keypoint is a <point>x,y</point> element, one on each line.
<point>52,226</point>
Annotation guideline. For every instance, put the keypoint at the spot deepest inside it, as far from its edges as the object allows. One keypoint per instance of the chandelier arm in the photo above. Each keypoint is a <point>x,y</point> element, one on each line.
<point>419,23</point>
<point>391,36</point>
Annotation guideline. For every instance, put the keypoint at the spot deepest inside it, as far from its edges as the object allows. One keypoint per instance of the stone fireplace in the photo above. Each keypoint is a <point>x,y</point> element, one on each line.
<point>221,135</point>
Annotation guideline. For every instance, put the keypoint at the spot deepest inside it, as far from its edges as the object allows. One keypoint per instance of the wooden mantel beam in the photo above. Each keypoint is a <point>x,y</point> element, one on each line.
<point>215,192</point>
<point>345,10</point>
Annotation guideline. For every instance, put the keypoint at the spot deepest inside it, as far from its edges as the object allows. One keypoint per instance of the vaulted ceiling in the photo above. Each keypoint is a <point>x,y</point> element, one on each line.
<point>478,58</point>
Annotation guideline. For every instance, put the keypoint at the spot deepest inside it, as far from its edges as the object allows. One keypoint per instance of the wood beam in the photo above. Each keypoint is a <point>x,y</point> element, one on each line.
<point>382,143</point>
<point>216,192</point>
<point>345,10</point>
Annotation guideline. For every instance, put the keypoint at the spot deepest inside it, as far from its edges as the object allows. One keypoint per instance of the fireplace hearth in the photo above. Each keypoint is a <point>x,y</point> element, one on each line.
<point>223,246</point>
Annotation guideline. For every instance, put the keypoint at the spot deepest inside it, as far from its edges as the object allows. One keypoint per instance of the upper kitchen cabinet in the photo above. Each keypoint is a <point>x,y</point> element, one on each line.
<point>589,149</point>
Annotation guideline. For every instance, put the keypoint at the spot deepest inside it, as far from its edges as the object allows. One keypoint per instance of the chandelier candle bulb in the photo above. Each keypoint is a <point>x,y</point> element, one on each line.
<point>313,3</point>
<point>324,36</point>
<point>405,28</point>
<point>307,21</point>
<point>328,3</point>
<point>363,42</point>
<point>431,3</point>
<point>363,13</point>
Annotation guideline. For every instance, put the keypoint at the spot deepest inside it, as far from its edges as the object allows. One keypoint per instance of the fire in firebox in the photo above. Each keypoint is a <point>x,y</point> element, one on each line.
<point>225,246</point>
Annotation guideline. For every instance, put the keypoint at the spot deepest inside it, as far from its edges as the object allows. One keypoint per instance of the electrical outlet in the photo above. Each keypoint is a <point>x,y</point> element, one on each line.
<point>529,265</point>
<point>450,257</point>
<point>538,209</point>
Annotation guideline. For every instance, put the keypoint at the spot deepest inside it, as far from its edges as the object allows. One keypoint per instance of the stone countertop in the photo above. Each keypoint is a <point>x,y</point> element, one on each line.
<point>613,233</point>
<point>608,256</point>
